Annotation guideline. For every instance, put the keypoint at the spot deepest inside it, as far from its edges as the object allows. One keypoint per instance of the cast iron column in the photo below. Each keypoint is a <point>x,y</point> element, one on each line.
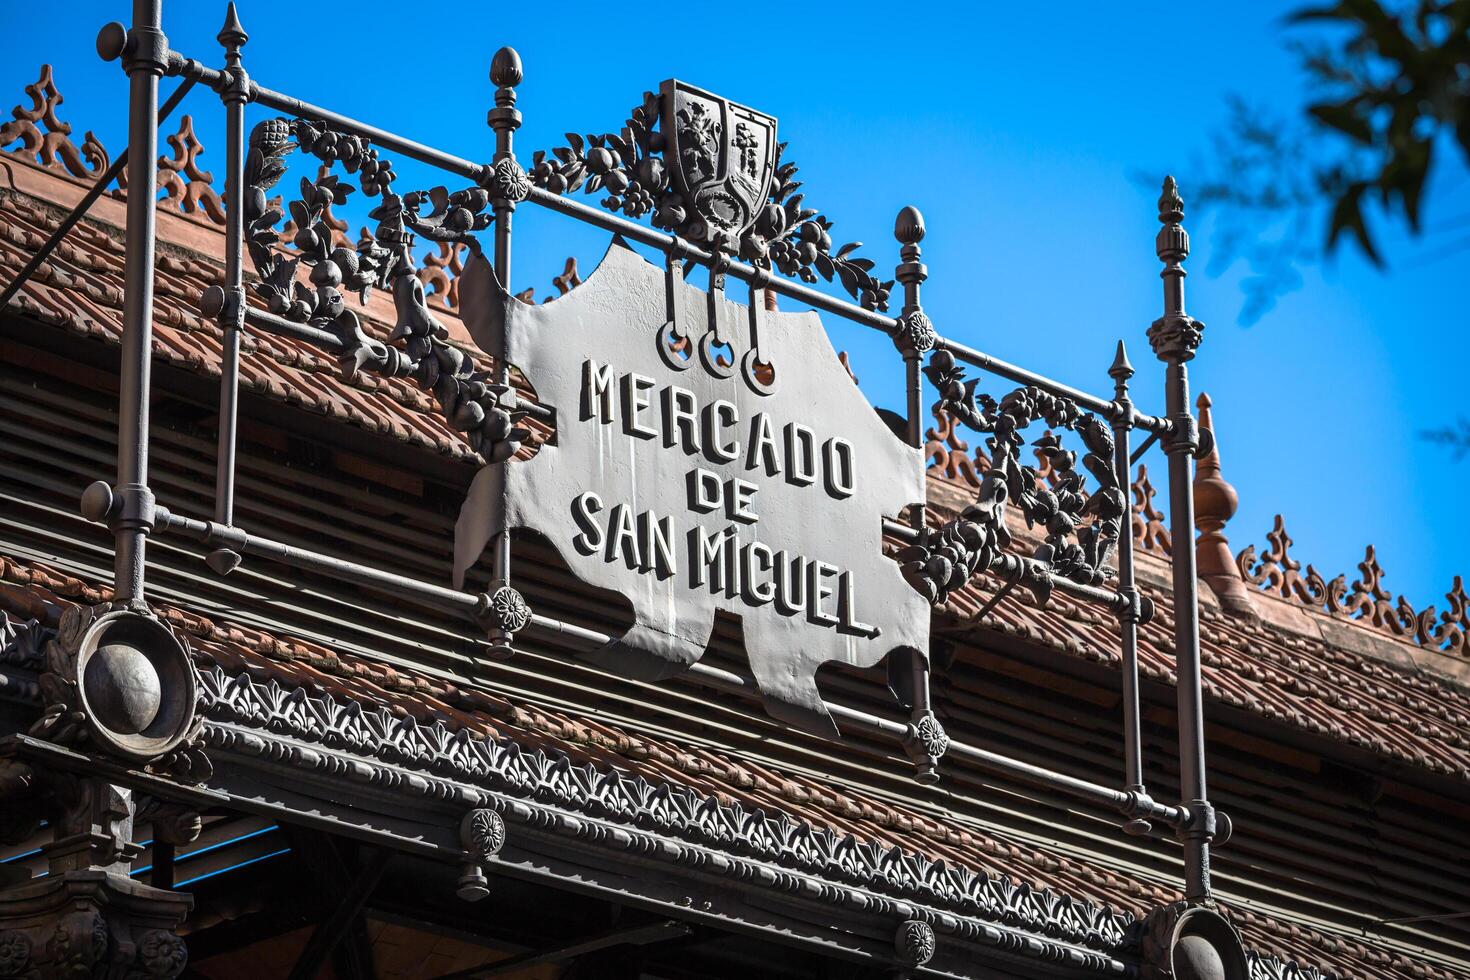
<point>1175,336</point>
<point>915,336</point>
<point>1128,619</point>
<point>925,741</point>
<point>508,185</point>
<point>234,92</point>
<point>145,60</point>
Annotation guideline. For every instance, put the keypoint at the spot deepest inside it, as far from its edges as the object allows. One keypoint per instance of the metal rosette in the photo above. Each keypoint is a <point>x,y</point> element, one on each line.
<point>481,835</point>
<point>914,942</point>
<point>503,612</point>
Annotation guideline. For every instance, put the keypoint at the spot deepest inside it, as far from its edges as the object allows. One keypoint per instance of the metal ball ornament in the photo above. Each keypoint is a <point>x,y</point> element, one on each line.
<point>123,687</point>
<point>137,685</point>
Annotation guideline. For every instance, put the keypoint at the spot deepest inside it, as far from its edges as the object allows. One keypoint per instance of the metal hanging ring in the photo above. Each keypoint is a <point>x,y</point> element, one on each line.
<point>667,339</point>
<point>712,362</point>
<point>751,367</point>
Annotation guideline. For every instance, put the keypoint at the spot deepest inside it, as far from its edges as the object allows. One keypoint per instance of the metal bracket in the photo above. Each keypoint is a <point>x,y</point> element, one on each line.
<point>146,48</point>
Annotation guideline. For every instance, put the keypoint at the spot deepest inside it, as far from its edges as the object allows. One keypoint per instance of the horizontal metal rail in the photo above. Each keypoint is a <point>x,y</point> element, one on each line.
<point>1093,403</point>
<point>271,323</point>
<point>381,137</point>
<point>468,169</point>
<point>214,535</point>
<point>760,278</point>
<point>732,682</point>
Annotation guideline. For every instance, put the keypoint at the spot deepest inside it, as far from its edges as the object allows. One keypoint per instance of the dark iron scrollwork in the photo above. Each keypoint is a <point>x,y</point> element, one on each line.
<point>633,168</point>
<point>1081,528</point>
<point>418,347</point>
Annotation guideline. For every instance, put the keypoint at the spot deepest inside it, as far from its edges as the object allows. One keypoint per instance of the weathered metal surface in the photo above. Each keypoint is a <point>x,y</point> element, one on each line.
<point>1175,337</point>
<point>721,156</point>
<point>690,491</point>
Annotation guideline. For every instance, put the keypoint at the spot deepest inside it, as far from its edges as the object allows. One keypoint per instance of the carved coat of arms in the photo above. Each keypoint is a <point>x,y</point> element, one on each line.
<point>720,156</point>
<point>691,491</point>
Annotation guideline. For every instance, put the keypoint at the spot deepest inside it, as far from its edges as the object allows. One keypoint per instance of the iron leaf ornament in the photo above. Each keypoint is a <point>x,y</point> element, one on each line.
<point>710,171</point>
<point>1081,529</point>
<point>418,347</point>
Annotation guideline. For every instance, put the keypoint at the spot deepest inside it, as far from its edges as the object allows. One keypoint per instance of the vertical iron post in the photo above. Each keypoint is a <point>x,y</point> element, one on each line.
<point>505,119</point>
<point>145,59</point>
<point>925,742</point>
<point>915,333</point>
<point>234,92</point>
<point>1130,615</point>
<point>508,185</point>
<point>1174,337</point>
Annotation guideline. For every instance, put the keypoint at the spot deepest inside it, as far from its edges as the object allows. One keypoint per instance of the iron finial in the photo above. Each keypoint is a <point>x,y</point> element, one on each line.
<point>1175,335</point>
<point>915,334</point>
<point>1121,369</point>
<point>232,35</point>
<point>505,72</point>
<point>1171,205</point>
<point>908,227</point>
<point>1172,244</point>
<point>505,68</point>
<point>111,41</point>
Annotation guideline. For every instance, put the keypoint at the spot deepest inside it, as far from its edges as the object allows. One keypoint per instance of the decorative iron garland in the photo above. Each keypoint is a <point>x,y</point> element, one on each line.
<point>785,236</point>
<point>418,348</point>
<point>944,558</point>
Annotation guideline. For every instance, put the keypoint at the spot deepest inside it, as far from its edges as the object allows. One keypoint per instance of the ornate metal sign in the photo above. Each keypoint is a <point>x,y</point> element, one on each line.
<point>690,486</point>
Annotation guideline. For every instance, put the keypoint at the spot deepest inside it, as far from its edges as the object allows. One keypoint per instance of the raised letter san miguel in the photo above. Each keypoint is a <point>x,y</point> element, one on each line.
<point>685,476</point>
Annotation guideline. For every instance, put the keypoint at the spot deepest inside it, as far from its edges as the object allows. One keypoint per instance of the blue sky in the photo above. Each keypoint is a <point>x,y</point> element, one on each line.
<point>1021,132</point>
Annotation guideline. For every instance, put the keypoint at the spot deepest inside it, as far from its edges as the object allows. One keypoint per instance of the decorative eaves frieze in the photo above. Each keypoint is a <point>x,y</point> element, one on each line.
<point>680,812</point>
<point>371,746</point>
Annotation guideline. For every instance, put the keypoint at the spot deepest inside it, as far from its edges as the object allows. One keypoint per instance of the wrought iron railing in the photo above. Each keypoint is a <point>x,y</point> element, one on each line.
<point>777,246</point>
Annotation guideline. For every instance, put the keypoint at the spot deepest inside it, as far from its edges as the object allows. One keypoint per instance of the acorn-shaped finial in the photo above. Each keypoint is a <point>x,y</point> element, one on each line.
<point>505,68</point>
<point>908,227</point>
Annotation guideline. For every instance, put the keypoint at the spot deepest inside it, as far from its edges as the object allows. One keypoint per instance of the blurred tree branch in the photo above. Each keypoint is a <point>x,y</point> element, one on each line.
<point>1391,86</point>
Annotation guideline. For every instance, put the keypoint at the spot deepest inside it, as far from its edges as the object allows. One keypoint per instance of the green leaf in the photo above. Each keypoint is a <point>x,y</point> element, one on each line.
<point>1347,215</point>
<point>1344,117</point>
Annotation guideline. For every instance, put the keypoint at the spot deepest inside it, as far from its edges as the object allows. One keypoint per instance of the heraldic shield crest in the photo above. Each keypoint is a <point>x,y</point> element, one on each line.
<point>721,156</point>
<point>692,491</point>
